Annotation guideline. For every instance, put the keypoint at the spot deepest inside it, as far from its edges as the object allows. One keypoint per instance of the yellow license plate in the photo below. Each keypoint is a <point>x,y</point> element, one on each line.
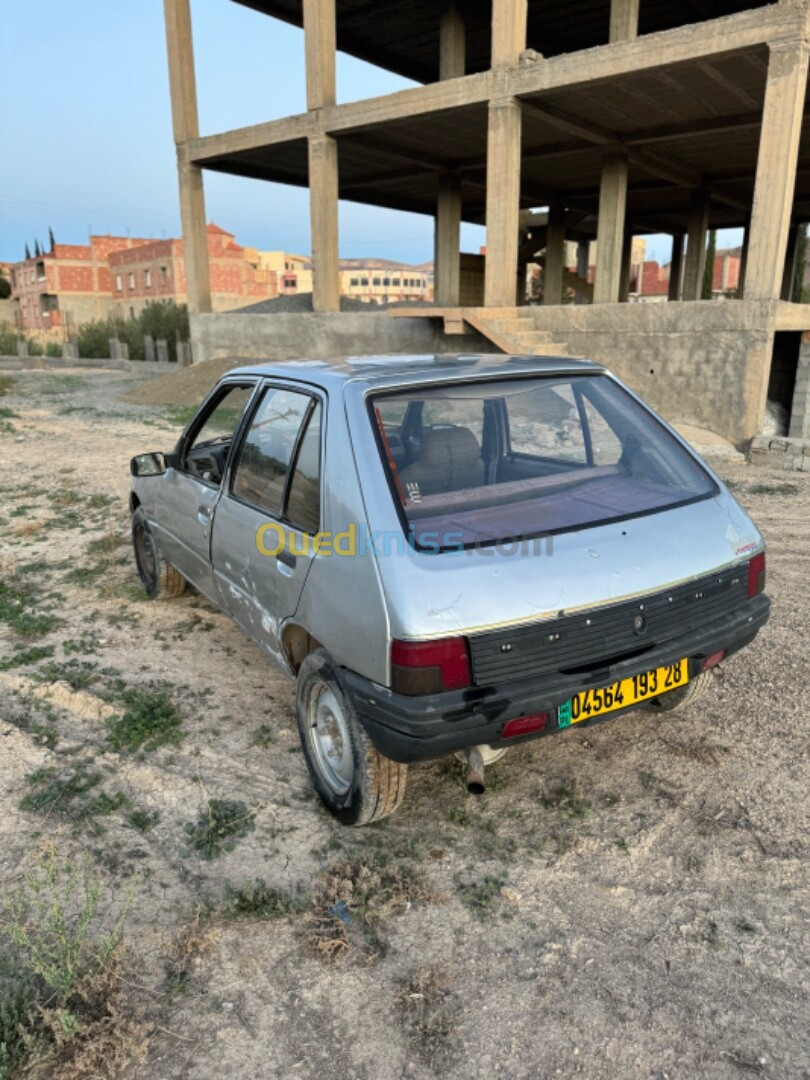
<point>622,694</point>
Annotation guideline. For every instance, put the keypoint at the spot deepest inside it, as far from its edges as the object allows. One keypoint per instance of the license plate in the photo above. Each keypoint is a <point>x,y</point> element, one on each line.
<point>622,694</point>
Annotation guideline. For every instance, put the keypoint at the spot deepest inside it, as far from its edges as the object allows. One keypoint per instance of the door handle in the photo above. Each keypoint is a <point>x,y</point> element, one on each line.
<point>287,558</point>
<point>204,511</point>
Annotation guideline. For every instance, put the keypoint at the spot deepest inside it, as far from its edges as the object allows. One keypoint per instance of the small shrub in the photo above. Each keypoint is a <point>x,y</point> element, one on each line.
<point>219,826</point>
<point>260,900</point>
<point>143,820</point>
<point>150,721</point>
<point>53,348</point>
<point>62,1006</point>
<point>68,794</point>
<point>6,381</point>
<point>480,896</point>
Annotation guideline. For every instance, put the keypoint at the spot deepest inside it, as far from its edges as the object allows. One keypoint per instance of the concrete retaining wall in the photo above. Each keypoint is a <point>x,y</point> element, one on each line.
<point>40,363</point>
<point>702,364</point>
<point>304,335</point>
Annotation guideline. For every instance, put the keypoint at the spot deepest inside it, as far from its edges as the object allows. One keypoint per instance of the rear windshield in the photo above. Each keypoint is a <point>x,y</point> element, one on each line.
<point>475,464</point>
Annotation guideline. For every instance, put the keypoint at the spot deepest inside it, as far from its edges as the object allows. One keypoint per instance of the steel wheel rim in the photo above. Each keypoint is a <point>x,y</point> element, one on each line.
<point>330,739</point>
<point>145,553</point>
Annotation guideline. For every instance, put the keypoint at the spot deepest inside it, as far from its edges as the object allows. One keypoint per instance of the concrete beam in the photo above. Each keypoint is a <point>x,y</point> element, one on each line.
<point>696,245</point>
<point>623,20</point>
<point>185,123</point>
<point>508,31</point>
<point>320,47</point>
<point>323,209</point>
<point>676,267</point>
<point>776,168</point>
<point>555,256</point>
<point>503,203</point>
<point>452,42</point>
<point>610,231</point>
<point>744,259</point>
<point>447,246</point>
<point>682,44</point>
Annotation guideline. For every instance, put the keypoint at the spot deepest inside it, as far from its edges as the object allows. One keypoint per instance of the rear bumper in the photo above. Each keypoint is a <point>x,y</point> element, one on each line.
<point>410,729</point>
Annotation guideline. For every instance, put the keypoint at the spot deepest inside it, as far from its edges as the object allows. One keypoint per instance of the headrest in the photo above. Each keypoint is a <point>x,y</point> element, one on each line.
<point>449,446</point>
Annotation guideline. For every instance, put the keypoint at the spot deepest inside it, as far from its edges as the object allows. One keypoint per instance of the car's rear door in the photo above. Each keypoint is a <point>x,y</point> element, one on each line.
<point>190,489</point>
<point>269,511</point>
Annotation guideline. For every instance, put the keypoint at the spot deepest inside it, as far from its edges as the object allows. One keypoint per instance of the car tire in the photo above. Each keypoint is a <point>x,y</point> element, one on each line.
<point>160,579</point>
<point>684,696</point>
<point>355,782</point>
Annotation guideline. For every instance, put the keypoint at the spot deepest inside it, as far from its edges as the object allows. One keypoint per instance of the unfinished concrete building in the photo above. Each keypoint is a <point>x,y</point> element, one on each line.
<point>621,117</point>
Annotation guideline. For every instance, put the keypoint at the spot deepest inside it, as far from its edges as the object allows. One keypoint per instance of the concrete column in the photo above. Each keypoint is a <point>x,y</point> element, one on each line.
<point>323,211</point>
<point>186,126</point>
<point>776,169</point>
<point>583,266</point>
<point>676,267</point>
<point>320,45</point>
<point>447,234</point>
<point>503,203</point>
<point>452,42</point>
<point>623,20</point>
<point>696,245</point>
<point>610,230</point>
<point>744,259</point>
<point>555,256</point>
<point>447,247</point>
<point>508,31</point>
<point>627,267</point>
<point>789,275</point>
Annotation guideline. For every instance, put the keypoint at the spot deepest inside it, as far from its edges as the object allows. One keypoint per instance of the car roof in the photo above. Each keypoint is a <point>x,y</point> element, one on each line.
<point>386,371</point>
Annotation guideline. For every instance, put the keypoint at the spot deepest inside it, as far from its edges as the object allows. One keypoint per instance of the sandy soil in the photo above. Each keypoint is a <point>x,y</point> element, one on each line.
<point>630,901</point>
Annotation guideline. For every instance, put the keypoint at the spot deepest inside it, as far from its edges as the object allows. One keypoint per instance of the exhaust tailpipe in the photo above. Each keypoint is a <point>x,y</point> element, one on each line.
<point>475,771</point>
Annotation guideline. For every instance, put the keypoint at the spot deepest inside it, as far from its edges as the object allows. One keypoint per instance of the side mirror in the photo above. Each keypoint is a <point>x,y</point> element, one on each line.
<point>148,465</point>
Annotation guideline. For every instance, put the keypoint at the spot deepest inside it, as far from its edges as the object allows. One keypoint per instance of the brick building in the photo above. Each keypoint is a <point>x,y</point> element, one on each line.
<point>155,270</point>
<point>293,272</point>
<point>66,286</point>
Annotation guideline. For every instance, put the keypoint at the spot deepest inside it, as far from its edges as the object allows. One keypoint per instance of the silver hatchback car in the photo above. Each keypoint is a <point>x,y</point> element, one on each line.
<point>450,554</point>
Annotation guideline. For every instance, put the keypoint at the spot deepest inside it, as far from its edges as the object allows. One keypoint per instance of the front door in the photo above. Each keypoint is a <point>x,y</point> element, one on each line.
<point>268,513</point>
<point>189,491</point>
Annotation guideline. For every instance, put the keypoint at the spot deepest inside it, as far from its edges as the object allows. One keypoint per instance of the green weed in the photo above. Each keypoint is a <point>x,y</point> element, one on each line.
<point>480,896</point>
<point>260,901</point>
<point>149,721</point>
<point>18,612</point>
<point>219,826</point>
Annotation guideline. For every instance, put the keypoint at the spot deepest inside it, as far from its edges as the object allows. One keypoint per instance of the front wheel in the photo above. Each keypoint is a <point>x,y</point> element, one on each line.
<point>160,579</point>
<point>355,782</point>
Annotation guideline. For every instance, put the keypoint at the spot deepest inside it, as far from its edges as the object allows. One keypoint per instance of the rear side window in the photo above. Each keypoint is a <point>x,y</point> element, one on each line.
<point>477,463</point>
<point>263,462</point>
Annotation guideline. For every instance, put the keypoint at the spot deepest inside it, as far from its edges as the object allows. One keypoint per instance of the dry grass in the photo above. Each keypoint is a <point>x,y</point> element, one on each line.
<point>429,1014</point>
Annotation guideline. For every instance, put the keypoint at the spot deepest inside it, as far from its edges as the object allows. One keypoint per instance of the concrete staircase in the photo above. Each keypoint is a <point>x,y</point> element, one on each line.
<point>514,331</point>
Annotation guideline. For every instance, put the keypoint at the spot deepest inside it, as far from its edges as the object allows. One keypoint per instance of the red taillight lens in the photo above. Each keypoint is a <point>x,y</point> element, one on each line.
<point>524,725</point>
<point>756,575</point>
<point>714,660</point>
<point>429,667</point>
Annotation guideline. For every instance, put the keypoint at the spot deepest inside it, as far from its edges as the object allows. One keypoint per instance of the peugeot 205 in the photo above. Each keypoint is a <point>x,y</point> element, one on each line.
<point>450,554</point>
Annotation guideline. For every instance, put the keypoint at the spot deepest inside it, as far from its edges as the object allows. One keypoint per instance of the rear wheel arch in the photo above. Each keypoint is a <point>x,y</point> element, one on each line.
<point>297,643</point>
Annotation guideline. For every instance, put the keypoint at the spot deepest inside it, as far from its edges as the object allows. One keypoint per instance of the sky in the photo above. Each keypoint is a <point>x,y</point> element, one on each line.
<point>86,139</point>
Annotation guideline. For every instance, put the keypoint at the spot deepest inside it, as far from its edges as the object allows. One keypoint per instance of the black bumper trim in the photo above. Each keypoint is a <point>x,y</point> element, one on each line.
<point>409,729</point>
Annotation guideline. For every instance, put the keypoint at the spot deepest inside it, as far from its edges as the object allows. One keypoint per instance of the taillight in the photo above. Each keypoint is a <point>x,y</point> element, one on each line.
<point>756,575</point>
<point>430,667</point>
<point>524,725</point>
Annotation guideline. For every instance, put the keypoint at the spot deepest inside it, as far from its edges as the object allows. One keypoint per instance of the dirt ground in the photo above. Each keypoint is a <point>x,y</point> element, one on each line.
<point>627,901</point>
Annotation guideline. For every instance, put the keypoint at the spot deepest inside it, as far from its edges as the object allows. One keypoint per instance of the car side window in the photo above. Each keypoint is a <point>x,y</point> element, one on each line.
<point>260,472</point>
<point>207,452</point>
<point>303,507</point>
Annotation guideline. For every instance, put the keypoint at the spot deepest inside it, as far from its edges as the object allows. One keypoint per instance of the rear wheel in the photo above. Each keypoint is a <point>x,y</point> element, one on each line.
<point>355,782</point>
<point>160,579</point>
<point>684,696</point>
